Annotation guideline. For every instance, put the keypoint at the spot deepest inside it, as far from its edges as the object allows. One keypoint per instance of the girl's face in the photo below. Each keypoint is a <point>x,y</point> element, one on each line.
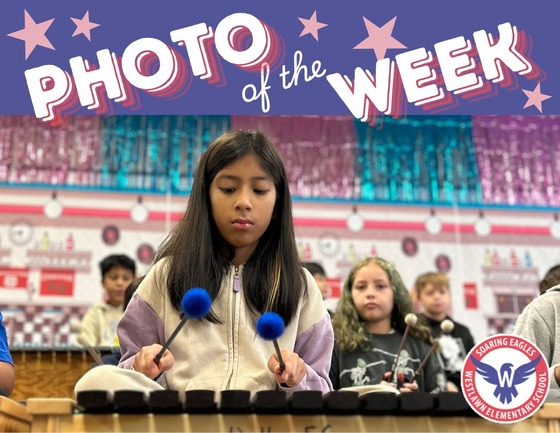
<point>242,197</point>
<point>373,297</point>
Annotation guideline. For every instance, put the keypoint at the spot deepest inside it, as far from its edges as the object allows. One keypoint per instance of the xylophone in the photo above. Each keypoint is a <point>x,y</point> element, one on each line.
<point>271,411</point>
<point>13,416</point>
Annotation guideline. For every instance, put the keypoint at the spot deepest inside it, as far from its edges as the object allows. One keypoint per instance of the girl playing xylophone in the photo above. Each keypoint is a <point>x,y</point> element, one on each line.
<point>237,241</point>
<point>369,326</point>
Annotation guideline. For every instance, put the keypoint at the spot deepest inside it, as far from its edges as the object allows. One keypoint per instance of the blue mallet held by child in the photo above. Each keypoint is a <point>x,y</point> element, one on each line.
<point>270,326</point>
<point>195,305</point>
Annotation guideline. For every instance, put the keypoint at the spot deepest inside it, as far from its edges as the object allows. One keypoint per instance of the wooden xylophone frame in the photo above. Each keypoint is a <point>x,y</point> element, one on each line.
<point>13,416</point>
<point>49,372</point>
<point>63,415</point>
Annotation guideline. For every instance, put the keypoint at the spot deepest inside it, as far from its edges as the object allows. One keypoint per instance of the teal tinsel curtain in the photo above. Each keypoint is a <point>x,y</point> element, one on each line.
<point>155,153</point>
<point>428,159</point>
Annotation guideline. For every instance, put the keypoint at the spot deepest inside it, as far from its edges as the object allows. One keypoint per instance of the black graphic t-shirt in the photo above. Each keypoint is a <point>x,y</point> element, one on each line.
<point>368,367</point>
<point>453,347</point>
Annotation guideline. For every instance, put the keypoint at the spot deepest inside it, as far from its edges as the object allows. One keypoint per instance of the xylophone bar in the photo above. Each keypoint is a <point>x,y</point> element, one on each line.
<point>268,411</point>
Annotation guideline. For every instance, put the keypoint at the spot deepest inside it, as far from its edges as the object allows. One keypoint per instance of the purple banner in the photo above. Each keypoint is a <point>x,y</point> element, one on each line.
<point>363,58</point>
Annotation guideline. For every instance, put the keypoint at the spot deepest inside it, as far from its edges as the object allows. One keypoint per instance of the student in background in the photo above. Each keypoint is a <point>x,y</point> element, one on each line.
<point>115,357</point>
<point>540,323</point>
<point>320,277</point>
<point>131,290</point>
<point>7,374</point>
<point>434,299</point>
<point>99,325</point>
<point>551,279</point>
<point>369,325</point>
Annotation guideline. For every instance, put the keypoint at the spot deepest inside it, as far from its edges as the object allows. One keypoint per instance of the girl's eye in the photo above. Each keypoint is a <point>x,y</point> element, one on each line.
<point>227,190</point>
<point>260,191</point>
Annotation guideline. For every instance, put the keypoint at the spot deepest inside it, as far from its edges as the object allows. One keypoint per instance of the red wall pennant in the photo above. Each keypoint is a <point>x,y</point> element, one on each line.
<point>14,278</point>
<point>55,282</point>
<point>471,298</point>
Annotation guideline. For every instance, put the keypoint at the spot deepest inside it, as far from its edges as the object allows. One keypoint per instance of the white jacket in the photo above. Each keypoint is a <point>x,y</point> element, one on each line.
<point>229,355</point>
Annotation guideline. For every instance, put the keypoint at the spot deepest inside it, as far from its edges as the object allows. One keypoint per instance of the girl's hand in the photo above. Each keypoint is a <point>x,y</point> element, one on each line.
<point>144,361</point>
<point>293,373</point>
<point>386,378</point>
<point>402,385</point>
<point>409,387</point>
<point>451,387</point>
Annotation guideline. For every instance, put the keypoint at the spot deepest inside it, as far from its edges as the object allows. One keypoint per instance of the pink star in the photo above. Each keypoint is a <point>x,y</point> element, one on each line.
<point>379,39</point>
<point>84,26</point>
<point>311,26</point>
<point>33,34</point>
<point>535,97</point>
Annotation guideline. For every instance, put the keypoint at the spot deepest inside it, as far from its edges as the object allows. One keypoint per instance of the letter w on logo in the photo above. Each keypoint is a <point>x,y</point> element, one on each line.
<point>505,378</point>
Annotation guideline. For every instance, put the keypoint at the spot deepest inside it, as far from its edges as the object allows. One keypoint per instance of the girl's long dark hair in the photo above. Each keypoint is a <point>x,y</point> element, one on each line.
<point>273,279</point>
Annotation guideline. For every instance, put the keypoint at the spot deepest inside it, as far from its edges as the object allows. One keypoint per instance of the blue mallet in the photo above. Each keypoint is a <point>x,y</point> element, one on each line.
<point>270,326</point>
<point>196,305</point>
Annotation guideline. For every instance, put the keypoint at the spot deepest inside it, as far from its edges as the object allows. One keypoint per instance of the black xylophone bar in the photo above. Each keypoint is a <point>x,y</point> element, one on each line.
<point>165,402</point>
<point>275,402</point>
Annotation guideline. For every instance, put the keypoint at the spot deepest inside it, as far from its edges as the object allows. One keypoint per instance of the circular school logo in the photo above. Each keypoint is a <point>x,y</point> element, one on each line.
<point>505,378</point>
